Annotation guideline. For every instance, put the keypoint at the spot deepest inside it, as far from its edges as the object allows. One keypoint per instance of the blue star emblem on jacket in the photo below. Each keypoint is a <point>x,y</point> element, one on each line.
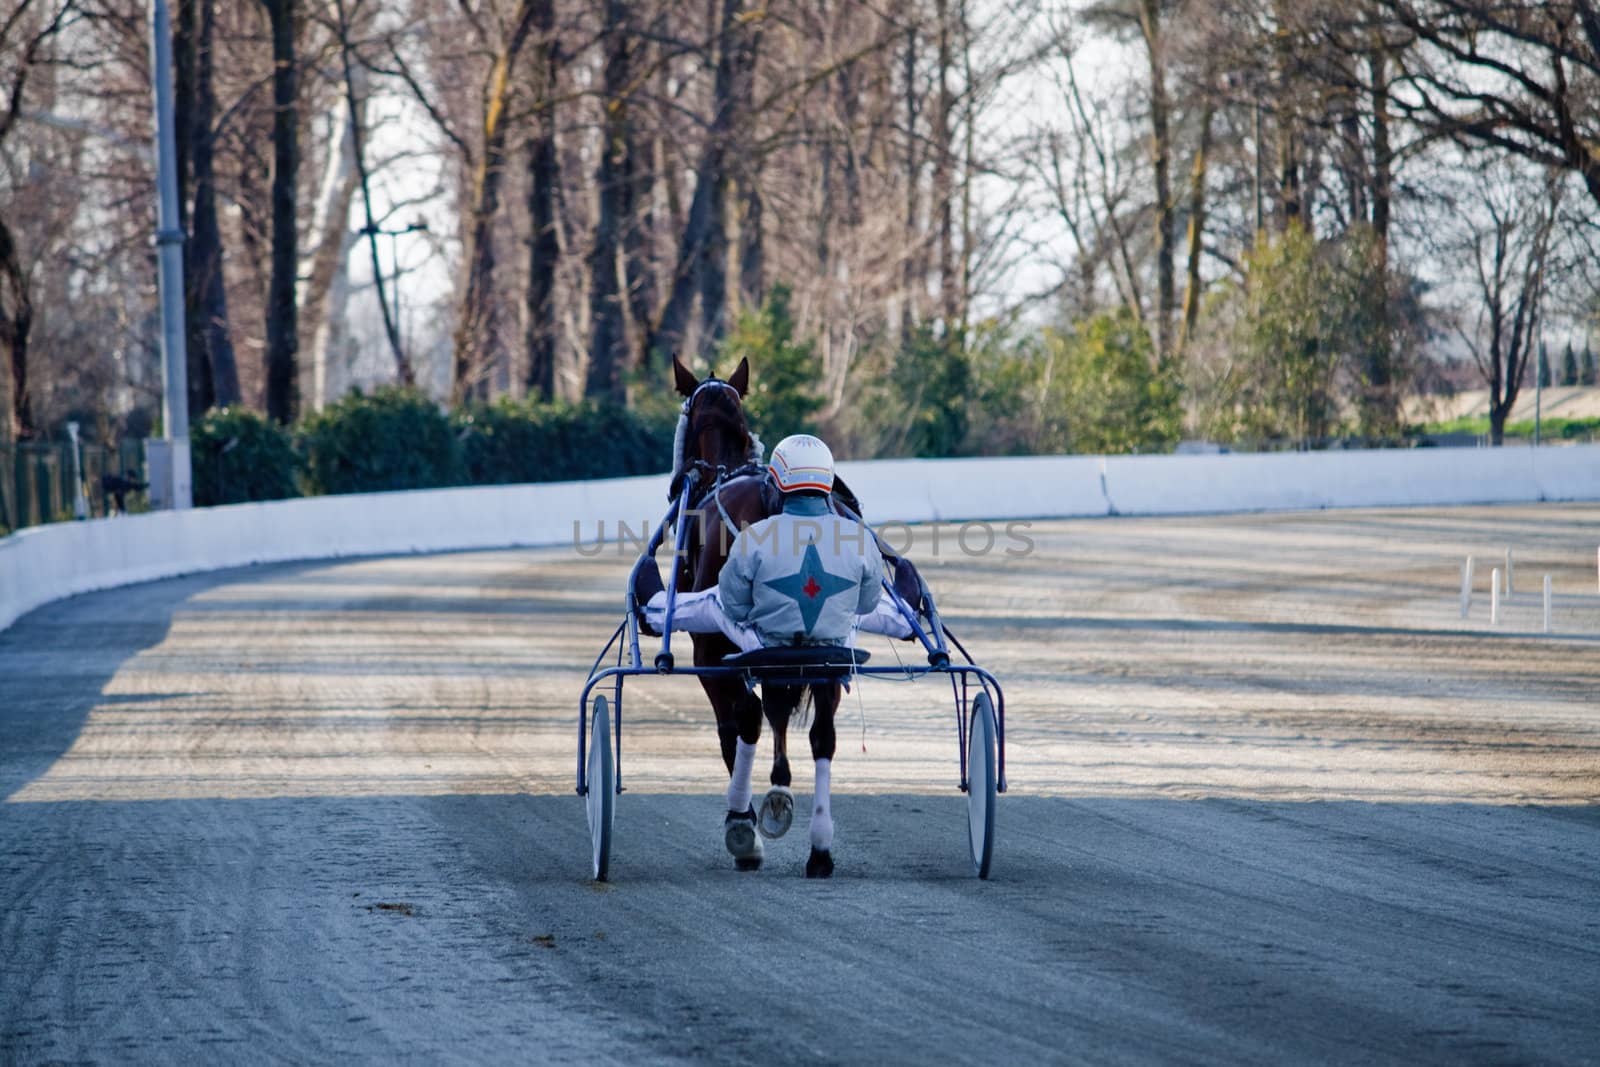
<point>810,586</point>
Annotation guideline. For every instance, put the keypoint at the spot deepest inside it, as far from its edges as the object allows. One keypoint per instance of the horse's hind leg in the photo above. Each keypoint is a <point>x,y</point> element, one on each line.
<point>823,742</point>
<point>777,807</point>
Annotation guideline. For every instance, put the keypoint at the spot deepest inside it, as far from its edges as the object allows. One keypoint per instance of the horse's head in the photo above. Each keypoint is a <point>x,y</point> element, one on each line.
<point>712,427</point>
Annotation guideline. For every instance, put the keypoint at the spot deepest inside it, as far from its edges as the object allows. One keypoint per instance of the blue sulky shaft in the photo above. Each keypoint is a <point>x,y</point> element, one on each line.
<point>664,657</point>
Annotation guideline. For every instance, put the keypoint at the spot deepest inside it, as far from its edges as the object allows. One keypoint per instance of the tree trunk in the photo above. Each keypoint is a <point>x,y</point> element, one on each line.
<point>282,327</point>
<point>1197,228</point>
<point>912,270</point>
<point>1382,153</point>
<point>186,133</point>
<point>16,323</point>
<point>714,267</point>
<point>969,164</point>
<point>476,343</point>
<point>326,291</point>
<point>752,247</point>
<point>544,172</point>
<point>850,103</point>
<point>943,178</point>
<point>825,212</point>
<point>607,337</point>
<point>638,222</point>
<point>735,70</point>
<point>205,244</point>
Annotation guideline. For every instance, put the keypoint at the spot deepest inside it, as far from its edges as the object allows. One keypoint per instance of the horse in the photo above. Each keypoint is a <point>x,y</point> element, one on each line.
<point>715,440</point>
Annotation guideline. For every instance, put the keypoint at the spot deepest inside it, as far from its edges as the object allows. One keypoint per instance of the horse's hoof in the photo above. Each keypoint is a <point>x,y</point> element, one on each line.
<point>777,813</point>
<point>819,864</point>
<point>740,837</point>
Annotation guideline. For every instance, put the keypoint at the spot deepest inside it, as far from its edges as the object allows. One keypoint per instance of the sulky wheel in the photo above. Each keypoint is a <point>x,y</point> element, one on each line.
<point>981,780</point>
<point>602,796</point>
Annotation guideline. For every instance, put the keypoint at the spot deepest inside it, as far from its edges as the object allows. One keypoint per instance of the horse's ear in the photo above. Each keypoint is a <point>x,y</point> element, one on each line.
<point>740,378</point>
<point>687,382</point>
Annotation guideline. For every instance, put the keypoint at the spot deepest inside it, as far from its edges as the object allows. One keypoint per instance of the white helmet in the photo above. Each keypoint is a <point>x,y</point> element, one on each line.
<point>802,462</point>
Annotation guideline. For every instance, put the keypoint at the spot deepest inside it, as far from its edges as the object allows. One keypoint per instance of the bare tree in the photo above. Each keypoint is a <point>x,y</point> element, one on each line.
<point>1510,252</point>
<point>1520,78</point>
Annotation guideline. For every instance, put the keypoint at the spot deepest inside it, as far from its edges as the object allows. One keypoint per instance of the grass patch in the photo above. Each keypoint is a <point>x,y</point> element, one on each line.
<point>1550,429</point>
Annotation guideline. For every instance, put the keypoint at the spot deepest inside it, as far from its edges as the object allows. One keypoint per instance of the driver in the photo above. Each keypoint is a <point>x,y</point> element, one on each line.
<point>800,577</point>
<point>787,575</point>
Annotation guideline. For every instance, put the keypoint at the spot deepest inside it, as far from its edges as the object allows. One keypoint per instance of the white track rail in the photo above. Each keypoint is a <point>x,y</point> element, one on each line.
<point>46,563</point>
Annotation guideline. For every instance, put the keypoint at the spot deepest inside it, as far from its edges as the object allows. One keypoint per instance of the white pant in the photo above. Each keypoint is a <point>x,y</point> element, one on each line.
<point>702,613</point>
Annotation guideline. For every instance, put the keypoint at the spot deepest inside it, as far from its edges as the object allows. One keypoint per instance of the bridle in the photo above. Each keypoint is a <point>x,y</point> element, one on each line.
<point>713,475</point>
<point>692,421</point>
<point>716,416</point>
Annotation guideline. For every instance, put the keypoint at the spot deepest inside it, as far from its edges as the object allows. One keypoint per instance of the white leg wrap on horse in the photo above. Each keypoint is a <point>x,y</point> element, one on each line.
<point>821,813</point>
<point>739,785</point>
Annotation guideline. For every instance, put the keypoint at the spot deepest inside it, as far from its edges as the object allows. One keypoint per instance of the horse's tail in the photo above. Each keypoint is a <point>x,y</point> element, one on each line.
<point>800,717</point>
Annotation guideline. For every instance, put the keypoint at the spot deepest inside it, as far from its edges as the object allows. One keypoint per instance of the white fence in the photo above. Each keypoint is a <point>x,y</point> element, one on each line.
<point>46,563</point>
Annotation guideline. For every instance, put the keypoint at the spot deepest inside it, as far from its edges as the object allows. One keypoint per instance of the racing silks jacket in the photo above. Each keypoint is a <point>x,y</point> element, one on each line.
<point>801,577</point>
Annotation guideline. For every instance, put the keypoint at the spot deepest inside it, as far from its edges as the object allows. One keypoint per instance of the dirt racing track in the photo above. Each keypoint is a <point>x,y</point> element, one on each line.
<point>1273,800</point>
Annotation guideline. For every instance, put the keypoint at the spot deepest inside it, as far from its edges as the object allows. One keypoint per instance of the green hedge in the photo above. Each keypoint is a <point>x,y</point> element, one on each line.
<point>511,441</point>
<point>394,438</point>
<point>237,456</point>
<point>397,438</point>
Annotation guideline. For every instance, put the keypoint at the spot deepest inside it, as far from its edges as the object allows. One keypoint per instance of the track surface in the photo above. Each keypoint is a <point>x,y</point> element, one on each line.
<point>1272,801</point>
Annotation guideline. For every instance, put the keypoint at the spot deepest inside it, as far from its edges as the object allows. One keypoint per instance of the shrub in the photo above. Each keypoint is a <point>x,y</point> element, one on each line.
<point>1108,390</point>
<point>240,456</point>
<point>511,442</point>
<point>920,404</point>
<point>396,438</point>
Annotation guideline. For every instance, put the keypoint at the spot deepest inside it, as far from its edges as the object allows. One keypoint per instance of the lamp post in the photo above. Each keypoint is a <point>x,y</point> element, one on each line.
<point>177,478</point>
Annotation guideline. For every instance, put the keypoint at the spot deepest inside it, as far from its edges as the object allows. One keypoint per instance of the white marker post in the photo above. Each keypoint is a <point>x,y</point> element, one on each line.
<point>1466,588</point>
<point>1508,574</point>
<point>1494,597</point>
<point>1547,603</point>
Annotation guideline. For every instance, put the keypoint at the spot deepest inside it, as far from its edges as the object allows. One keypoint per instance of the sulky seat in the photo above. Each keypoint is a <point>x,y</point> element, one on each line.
<point>799,664</point>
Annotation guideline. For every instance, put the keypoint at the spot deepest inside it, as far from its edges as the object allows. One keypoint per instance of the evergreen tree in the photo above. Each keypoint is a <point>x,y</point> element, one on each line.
<point>1588,365</point>
<point>1544,369</point>
<point>786,377</point>
<point>1569,367</point>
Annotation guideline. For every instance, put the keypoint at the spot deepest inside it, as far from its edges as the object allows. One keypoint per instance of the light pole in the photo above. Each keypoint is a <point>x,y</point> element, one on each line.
<point>172,483</point>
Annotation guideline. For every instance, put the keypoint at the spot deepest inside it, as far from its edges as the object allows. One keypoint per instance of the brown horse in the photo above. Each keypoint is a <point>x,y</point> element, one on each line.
<point>716,441</point>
